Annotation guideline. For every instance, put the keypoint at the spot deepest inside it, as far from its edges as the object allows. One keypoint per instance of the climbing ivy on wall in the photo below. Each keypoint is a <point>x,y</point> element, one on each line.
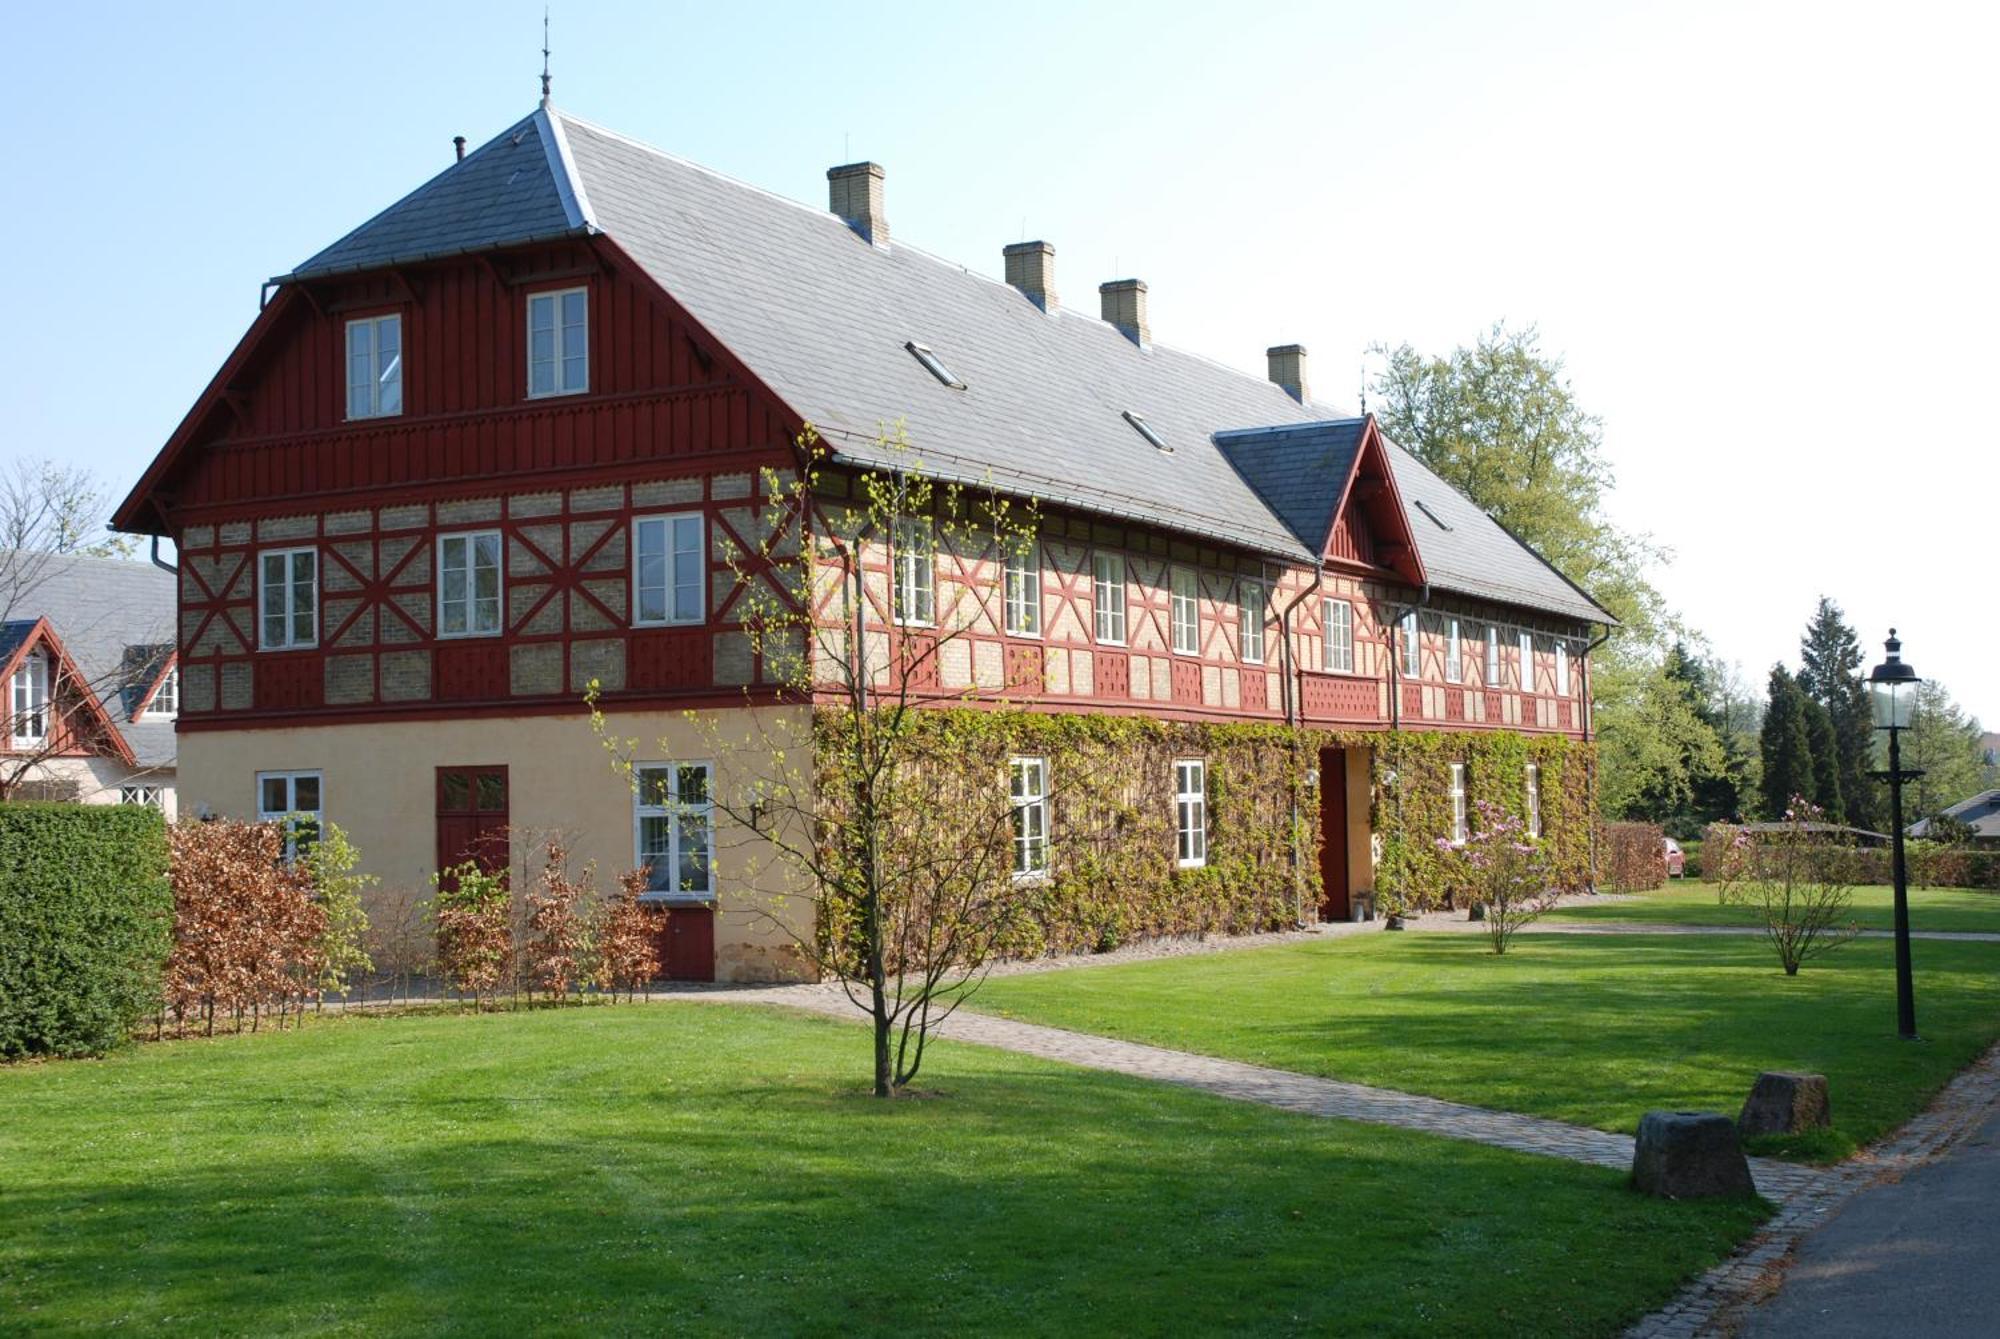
<point>1112,872</point>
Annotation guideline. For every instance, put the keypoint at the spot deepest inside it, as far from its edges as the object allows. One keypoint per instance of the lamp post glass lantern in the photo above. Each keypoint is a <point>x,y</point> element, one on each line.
<point>1893,687</point>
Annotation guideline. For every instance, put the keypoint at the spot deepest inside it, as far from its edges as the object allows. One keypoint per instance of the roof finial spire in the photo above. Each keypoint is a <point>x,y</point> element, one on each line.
<point>545,56</point>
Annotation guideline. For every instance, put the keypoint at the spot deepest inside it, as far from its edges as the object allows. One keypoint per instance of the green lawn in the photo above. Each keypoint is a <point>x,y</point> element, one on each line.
<point>1594,1029</point>
<point>714,1168</point>
<point>1694,904</point>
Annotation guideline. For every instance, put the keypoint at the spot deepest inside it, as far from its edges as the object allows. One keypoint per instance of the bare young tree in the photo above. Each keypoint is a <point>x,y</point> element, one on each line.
<point>904,857</point>
<point>48,509</point>
<point>1799,878</point>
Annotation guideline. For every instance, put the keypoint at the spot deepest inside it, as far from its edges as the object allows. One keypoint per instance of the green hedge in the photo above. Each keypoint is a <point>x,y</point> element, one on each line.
<point>86,922</point>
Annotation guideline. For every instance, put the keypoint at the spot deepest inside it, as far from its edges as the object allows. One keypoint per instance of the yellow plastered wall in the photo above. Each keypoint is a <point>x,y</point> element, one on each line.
<point>378,783</point>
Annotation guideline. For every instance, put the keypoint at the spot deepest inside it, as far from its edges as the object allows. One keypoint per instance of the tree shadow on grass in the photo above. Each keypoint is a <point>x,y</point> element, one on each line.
<point>1040,1199</point>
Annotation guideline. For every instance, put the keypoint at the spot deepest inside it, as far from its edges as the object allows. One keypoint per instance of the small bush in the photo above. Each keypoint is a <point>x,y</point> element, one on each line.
<point>1632,857</point>
<point>84,925</point>
<point>248,932</point>
<point>474,915</point>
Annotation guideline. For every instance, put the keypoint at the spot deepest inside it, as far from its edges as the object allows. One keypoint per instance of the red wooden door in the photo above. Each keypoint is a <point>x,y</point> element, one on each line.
<point>1333,901</point>
<point>689,950</point>
<point>472,817</point>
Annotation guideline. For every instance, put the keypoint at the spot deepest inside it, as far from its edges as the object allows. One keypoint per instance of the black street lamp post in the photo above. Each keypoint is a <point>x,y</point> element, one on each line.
<point>1893,685</point>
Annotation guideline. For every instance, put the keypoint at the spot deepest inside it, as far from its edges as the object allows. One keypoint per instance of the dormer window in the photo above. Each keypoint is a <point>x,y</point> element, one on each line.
<point>559,342</point>
<point>31,701</point>
<point>933,365</point>
<point>375,367</point>
<point>166,703</point>
<point>1146,430</point>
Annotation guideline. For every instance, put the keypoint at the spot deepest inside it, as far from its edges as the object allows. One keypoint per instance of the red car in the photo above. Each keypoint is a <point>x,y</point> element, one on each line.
<point>1676,862</point>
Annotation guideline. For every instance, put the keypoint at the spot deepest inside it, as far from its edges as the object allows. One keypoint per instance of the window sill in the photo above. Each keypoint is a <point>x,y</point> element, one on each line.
<point>282,650</point>
<point>467,636</point>
<point>557,395</point>
<point>677,899</point>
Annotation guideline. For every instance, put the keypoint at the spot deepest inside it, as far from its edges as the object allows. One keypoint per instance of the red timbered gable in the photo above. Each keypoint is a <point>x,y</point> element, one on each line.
<point>76,721</point>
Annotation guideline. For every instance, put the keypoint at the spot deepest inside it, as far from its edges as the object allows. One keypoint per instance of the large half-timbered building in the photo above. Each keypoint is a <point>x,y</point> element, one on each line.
<point>499,441</point>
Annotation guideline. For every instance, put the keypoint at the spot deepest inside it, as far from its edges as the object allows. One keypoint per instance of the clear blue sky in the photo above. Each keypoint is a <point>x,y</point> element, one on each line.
<point>1764,236</point>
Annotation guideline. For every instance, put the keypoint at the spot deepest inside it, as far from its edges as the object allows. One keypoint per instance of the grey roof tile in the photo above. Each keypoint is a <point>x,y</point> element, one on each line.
<point>822,318</point>
<point>112,616</point>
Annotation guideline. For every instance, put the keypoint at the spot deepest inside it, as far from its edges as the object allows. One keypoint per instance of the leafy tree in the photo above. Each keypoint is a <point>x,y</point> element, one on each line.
<point>1785,745</point>
<point>1944,743</point>
<point>1830,672</point>
<point>1825,759</point>
<point>867,815</point>
<point>1500,422</point>
<point>328,862</point>
<point>1657,752</point>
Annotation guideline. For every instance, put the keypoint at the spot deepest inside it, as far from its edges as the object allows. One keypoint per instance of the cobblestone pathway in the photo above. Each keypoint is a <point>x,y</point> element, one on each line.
<point>1281,1088</point>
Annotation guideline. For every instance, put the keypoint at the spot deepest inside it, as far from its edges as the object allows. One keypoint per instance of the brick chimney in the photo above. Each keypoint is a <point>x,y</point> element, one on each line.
<point>1123,304</point>
<point>1031,267</point>
<point>854,191</point>
<point>1288,369</point>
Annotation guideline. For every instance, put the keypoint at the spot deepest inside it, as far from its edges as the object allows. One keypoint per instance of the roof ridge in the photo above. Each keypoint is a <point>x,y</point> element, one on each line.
<point>562,167</point>
<point>898,246</point>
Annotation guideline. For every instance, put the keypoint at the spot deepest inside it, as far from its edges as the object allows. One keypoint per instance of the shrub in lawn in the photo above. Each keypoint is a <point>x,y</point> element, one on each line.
<point>1798,880</point>
<point>343,945</point>
<point>628,938</point>
<point>1503,869</point>
<point>1633,857</point>
<point>558,925</point>
<point>84,917</point>
<point>473,912</point>
<point>248,931</point>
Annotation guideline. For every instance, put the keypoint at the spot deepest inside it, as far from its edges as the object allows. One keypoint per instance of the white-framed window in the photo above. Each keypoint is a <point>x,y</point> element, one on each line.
<point>1028,794</point>
<point>1527,661</point>
<point>1337,648</point>
<point>288,581</point>
<point>153,797</point>
<point>468,592</point>
<point>1459,831</point>
<point>1107,595</point>
<point>31,701</point>
<point>1532,781</point>
<point>674,827</point>
<point>1562,668</point>
<point>298,801</point>
<point>1454,653</point>
<point>669,570</point>
<point>374,366</point>
<point>1023,593</point>
<point>166,703</point>
<point>1190,812</point>
<point>1492,676</point>
<point>1185,611</point>
<point>559,342</point>
<point>915,594</point>
<point>1411,649</point>
<point>1250,609</point>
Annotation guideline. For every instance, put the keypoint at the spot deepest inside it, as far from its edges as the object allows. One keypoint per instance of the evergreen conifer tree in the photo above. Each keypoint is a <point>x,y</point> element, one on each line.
<point>1786,746</point>
<point>1825,759</point>
<point>1830,673</point>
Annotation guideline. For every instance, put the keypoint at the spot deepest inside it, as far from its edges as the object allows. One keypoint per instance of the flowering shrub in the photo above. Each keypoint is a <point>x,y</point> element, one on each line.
<point>248,933</point>
<point>475,938</point>
<point>628,938</point>
<point>1505,871</point>
<point>1799,879</point>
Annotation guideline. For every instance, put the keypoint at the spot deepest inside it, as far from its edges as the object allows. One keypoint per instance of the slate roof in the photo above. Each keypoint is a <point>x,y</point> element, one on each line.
<point>1297,472</point>
<point>823,318</point>
<point>1981,813</point>
<point>101,610</point>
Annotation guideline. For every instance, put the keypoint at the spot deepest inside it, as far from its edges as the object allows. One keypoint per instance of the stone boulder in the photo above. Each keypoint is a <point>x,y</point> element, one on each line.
<point>1785,1103</point>
<point>1684,1155</point>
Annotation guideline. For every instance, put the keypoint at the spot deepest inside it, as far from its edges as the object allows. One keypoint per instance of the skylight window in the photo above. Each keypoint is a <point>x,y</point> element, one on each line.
<point>1147,431</point>
<point>933,365</point>
<point>1435,518</point>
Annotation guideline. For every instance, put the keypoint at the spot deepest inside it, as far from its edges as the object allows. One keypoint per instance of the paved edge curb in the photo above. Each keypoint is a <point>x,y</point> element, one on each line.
<point>1714,1303</point>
